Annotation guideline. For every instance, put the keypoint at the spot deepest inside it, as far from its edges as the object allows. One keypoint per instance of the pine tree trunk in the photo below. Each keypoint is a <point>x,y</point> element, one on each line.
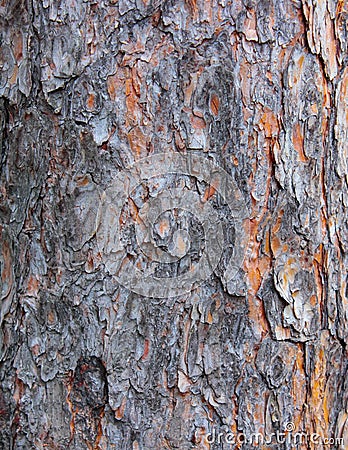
<point>112,108</point>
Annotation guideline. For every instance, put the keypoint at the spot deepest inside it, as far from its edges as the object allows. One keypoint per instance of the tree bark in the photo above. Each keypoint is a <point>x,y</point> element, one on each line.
<point>89,90</point>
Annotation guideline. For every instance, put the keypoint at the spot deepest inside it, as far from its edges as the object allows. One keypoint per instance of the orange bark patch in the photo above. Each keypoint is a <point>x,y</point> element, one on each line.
<point>156,18</point>
<point>179,142</point>
<point>91,102</point>
<point>119,413</point>
<point>318,255</point>
<point>318,401</point>
<point>209,193</point>
<point>269,123</point>
<point>132,103</point>
<point>256,266</point>
<point>89,266</point>
<point>33,286</point>
<point>330,41</point>
<point>19,390</point>
<point>134,110</point>
<point>50,318</point>
<point>111,84</point>
<point>278,223</point>
<point>35,349</point>
<point>298,141</point>
<point>210,318</point>
<point>301,61</point>
<point>214,104</point>
<point>13,78</point>
<point>250,27</point>
<point>245,84</point>
<point>189,90</point>
<point>163,226</point>
<point>192,4</point>
<point>59,275</point>
<point>198,123</point>
<point>133,210</point>
<point>138,141</point>
<point>255,278</point>
<point>83,181</point>
<point>313,300</point>
<point>136,81</point>
<point>6,274</point>
<point>146,349</point>
<point>116,83</point>
<point>298,387</point>
<point>18,46</point>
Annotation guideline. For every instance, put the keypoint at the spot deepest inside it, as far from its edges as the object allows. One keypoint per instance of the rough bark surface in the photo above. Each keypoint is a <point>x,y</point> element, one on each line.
<point>87,88</point>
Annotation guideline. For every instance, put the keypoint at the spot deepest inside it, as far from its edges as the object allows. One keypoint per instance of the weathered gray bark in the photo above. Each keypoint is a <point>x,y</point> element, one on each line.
<point>88,88</point>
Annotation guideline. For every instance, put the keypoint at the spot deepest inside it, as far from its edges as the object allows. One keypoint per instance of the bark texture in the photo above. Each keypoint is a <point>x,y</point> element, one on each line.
<point>88,87</point>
